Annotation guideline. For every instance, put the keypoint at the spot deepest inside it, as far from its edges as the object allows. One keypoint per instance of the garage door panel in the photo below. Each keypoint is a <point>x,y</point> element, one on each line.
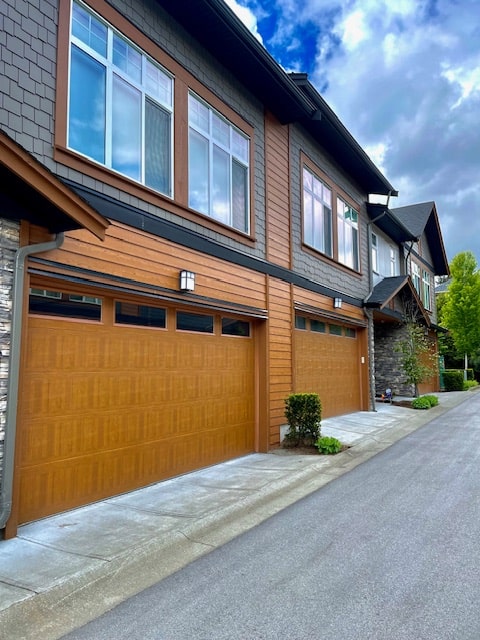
<point>109,409</point>
<point>328,365</point>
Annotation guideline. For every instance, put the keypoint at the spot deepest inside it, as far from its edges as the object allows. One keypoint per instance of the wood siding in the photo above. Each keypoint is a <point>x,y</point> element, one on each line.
<point>280,353</point>
<point>138,256</point>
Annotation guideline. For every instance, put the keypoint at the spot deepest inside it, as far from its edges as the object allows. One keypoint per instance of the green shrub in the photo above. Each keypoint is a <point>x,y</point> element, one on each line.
<point>453,379</point>
<point>469,384</point>
<point>303,412</point>
<point>328,445</point>
<point>421,403</point>
<point>433,400</point>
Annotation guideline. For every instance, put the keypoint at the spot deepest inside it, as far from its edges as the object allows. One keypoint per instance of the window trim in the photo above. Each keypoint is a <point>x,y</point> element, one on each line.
<point>415,273</point>
<point>213,144</point>
<point>184,80</point>
<point>354,226</point>
<point>112,73</point>
<point>323,251</point>
<point>375,267</point>
<point>393,260</point>
<point>337,192</point>
<point>426,289</point>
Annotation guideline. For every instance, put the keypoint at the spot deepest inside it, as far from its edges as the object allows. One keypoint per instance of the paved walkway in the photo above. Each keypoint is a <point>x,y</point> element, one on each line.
<point>63,571</point>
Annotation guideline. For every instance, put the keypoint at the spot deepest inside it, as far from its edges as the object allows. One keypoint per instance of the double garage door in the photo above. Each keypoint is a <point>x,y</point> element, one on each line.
<point>328,362</point>
<point>119,394</point>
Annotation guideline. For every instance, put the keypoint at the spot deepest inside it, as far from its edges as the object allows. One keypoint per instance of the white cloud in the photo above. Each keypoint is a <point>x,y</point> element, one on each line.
<point>247,16</point>
<point>404,78</point>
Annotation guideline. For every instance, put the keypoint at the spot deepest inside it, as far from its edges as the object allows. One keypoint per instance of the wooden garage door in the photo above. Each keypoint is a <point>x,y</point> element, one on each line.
<point>327,362</point>
<point>108,408</point>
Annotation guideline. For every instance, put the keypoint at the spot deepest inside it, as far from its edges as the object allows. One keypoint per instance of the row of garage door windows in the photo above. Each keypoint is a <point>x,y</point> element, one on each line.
<point>82,307</point>
<point>305,324</point>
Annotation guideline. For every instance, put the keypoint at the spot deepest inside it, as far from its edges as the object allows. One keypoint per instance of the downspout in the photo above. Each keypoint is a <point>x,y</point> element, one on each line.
<point>14,369</point>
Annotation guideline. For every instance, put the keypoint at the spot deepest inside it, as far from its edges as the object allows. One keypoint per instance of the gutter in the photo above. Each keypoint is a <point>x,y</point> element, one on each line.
<point>14,370</point>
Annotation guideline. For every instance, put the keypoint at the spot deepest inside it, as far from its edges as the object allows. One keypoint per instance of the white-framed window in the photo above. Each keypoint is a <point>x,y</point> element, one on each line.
<point>393,261</point>
<point>415,269</point>
<point>218,166</point>
<point>120,107</point>
<point>347,226</point>
<point>317,213</point>
<point>426,289</point>
<point>374,252</point>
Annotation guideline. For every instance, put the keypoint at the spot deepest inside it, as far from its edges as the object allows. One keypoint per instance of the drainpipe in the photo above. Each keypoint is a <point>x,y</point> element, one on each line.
<point>369,312</point>
<point>14,369</point>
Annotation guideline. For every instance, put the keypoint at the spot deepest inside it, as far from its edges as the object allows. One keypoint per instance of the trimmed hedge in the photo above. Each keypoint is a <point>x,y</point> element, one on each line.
<point>303,412</point>
<point>425,402</point>
<point>453,379</point>
<point>421,403</point>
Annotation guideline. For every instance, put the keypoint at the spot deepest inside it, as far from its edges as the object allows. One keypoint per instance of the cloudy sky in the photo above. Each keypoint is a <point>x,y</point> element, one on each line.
<point>404,78</point>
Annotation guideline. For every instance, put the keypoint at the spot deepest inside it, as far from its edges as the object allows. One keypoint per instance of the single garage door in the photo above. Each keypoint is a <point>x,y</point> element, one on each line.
<point>119,394</point>
<point>327,362</point>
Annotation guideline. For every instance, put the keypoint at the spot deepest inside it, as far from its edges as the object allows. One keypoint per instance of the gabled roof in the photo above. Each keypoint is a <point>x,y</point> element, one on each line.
<point>388,288</point>
<point>29,191</point>
<point>423,219</point>
<point>384,219</point>
<point>385,290</point>
<point>291,98</point>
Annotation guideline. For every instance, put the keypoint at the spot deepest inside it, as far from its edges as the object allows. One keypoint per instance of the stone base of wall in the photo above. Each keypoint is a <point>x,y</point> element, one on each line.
<point>388,370</point>
<point>9,243</point>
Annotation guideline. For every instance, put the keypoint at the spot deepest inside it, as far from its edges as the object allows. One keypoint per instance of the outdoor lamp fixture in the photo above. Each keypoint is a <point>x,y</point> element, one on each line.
<point>337,303</point>
<point>187,281</point>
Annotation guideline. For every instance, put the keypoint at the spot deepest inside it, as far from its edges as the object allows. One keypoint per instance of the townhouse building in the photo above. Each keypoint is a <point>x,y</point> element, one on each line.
<point>185,240</point>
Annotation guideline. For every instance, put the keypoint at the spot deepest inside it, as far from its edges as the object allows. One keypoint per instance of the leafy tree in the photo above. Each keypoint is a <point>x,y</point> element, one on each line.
<point>416,357</point>
<point>460,310</point>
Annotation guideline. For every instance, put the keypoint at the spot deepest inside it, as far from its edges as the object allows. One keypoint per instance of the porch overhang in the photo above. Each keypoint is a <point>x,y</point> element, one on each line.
<point>29,191</point>
<point>382,298</point>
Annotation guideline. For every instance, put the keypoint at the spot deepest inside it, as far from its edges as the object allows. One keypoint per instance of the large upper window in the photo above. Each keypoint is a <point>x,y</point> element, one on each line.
<point>218,166</point>
<point>317,213</point>
<point>426,289</point>
<point>393,261</point>
<point>120,103</point>
<point>347,221</point>
<point>374,252</point>
<point>416,277</point>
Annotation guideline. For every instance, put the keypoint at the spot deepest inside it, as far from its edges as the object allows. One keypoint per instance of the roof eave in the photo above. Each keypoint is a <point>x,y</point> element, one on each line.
<point>67,209</point>
<point>289,97</point>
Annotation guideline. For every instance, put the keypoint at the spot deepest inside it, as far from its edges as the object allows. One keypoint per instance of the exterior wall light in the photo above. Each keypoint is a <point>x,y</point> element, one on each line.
<point>337,303</point>
<point>187,281</point>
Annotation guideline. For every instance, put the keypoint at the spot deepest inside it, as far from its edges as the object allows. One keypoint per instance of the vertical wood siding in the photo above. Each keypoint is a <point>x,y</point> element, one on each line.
<point>280,353</point>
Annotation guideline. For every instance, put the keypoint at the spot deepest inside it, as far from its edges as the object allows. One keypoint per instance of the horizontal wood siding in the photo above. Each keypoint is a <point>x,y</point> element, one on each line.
<point>325,303</point>
<point>136,255</point>
<point>280,353</point>
<point>278,192</point>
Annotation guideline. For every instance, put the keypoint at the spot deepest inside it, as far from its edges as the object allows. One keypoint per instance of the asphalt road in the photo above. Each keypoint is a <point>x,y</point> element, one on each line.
<point>389,551</point>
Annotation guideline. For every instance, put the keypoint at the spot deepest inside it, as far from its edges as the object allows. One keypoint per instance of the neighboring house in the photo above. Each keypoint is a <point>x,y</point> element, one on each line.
<point>207,248</point>
<point>407,252</point>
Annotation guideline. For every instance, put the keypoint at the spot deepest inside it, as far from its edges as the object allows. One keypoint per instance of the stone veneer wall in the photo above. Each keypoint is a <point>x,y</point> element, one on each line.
<point>388,372</point>
<point>9,242</point>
